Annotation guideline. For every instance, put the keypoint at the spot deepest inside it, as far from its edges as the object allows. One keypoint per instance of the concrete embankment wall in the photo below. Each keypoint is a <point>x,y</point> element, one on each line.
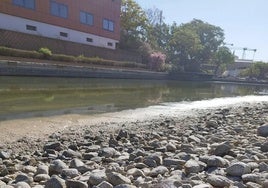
<point>39,69</point>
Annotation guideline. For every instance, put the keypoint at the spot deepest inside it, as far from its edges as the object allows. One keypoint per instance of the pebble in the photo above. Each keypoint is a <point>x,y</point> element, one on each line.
<point>238,169</point>
<point>216,148</point>
<point>116,178</point>
<point>192,166</point>
<point>218,181</point>
<point>263,130</point>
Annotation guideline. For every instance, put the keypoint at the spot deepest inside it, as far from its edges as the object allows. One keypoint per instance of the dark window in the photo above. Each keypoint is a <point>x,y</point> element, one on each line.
<point>58,9</point>
<point>108,25</point>
<point>110,44</point>
<point>86,18</point>
<point>31,27</point>
<point>30,4</point>
<point>63,34</point>
<point>89,40</point>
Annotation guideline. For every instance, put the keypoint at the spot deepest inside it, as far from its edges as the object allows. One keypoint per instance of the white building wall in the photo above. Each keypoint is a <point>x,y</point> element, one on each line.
<point>18,24</point>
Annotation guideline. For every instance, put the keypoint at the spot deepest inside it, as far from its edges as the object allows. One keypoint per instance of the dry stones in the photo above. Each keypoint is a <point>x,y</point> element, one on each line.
<point>251,178</point>
<point>158,170</point>
<point>57,166</point>
<point>218,181</point>
<point>192,166</point>
<point>76,184</point>
<point>55,182</point>
<point>238,169</point>
<point>264,147</point>
<point>216,161</point>
<point>72,154</point>
<point>263,130</point>
<point>105,184</point>
<point>108,152</point>
<point>222,149</point>
<point>117,179</point>
<point>4,155</point>
<point>22,185</point>
<point>96,177</point>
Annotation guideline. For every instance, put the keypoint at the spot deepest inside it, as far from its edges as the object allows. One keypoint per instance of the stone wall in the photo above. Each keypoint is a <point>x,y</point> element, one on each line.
<point>31,42</point>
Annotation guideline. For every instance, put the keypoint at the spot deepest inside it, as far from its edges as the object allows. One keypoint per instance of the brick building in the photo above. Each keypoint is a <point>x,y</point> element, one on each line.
<point>87,22</point>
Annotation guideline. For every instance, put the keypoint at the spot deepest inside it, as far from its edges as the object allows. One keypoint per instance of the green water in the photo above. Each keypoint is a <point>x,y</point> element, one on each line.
<point>38,96</point>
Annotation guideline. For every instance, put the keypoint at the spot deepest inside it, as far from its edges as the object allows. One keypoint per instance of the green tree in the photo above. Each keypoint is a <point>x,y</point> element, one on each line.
<point>193,44</point>
<point>134,24</point>
<point>210,36</point>
<point>184,48</point>
<point>257,70</point>
<point>223,57</point>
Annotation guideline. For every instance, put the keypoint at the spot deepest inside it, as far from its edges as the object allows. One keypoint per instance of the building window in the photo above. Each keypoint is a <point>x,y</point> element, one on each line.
<point>86,18</point>
<point>108,25</point>
<point>63,34</point>
<point>110,44</point>
<point>30,4</point>
<point>58,9</point>
<point>31,27</point>
<point>89,40</point>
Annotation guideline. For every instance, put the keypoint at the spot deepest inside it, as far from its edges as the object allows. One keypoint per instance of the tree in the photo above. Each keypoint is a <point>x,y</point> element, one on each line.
<point>193,44</point>
<point>210,36</point>
<point>185,46</point>
<point>223,57</point>
<point>134,24</point>
<point>257,70</point>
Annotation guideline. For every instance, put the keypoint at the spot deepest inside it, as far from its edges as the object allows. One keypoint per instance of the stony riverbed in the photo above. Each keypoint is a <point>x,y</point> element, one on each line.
<point>224,147</point>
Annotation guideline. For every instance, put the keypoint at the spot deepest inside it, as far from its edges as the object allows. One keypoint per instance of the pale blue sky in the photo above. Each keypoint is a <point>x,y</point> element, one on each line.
<point>245,22</point>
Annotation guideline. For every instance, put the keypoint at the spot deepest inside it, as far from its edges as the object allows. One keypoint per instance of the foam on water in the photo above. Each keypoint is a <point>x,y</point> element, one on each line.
<point>186,108</point>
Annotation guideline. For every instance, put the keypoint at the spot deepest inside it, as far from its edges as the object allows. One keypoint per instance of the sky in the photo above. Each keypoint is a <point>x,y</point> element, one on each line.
<point>245,22</point>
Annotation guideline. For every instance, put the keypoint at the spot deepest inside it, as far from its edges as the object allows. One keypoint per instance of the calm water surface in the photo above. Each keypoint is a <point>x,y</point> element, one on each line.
<point>37,96</point>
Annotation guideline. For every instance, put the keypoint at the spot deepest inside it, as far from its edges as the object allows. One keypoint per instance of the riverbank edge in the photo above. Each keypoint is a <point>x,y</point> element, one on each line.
<point>44,68</point>
<point>178,133</point>
<point>60,69</point>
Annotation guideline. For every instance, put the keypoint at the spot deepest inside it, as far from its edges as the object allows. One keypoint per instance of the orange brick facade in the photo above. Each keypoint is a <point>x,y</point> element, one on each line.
<point>100,9</point>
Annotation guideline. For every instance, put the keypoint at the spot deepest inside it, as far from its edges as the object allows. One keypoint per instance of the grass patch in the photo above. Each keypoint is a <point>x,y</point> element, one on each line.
<point>45,53</point>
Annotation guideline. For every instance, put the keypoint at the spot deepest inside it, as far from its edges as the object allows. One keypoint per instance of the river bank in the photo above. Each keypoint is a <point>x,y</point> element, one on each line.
<point>221,146</point>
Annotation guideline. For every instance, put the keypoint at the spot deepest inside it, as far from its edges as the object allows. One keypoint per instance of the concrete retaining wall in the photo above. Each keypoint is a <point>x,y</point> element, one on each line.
<point>38,69</point>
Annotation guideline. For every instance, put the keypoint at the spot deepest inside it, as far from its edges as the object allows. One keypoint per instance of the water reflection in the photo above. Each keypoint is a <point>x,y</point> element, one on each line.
<point>36,96</point>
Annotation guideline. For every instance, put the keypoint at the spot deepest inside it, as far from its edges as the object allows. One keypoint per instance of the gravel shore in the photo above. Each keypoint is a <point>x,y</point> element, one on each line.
<point>225,147</point>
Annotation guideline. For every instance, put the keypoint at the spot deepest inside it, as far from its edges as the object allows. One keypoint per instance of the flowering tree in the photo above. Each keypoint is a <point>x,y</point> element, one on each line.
<point>157,61</point>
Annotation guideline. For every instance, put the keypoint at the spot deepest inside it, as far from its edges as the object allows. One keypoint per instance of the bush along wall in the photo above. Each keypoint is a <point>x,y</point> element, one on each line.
<point>45,53</point>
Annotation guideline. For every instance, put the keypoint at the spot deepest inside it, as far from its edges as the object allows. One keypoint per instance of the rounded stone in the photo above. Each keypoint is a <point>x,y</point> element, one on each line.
<point>216,161</point>
<point>192,166</point>
<point>55,182</point>
<point>70,172</point>
<point>57,166</point>
<point>160,170</point>
<point>218,181</point>
<point>263,130</point>
<point>42,169</point>
<point>117,179</point>
<point>76,184</point>
<point>238,169</point>
<point>22,185</point>
<point>41,177</point>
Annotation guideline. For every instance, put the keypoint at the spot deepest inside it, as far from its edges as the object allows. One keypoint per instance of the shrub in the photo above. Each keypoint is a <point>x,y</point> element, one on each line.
<point>45,52</point>
<point>19,53</point>
<point>61,57</point>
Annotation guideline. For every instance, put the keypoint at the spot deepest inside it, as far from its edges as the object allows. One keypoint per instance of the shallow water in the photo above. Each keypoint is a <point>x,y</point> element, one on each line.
<point>38,96</point>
